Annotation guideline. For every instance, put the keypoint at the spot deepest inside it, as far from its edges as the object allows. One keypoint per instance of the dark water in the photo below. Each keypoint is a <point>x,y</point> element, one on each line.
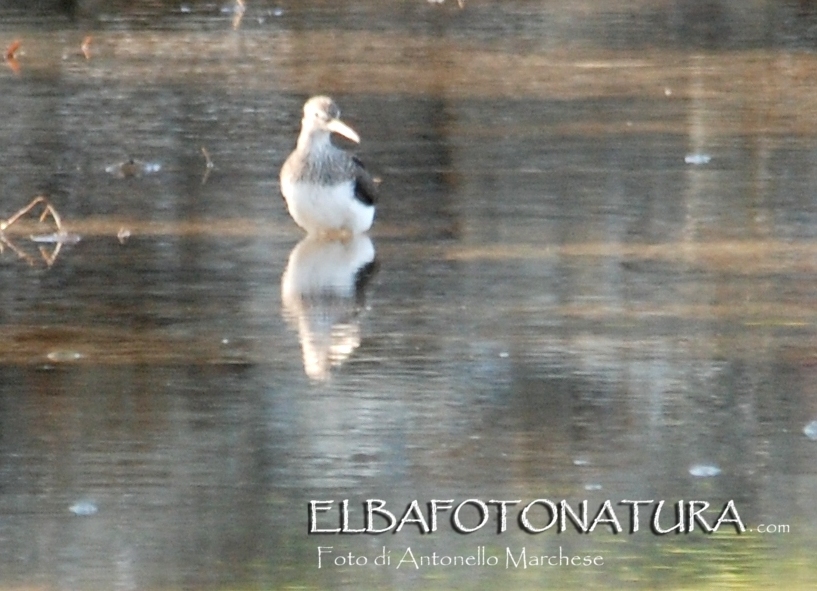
<point>591,276</point>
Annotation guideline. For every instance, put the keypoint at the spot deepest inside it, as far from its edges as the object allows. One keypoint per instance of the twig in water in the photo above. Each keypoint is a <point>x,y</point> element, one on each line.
<point>207,160</point>
<point>208,163</point>
<point>59,237</point>
<point>11,52</point>
<point>47,209</point>
<point>86,47</point>
<point>11,56</point>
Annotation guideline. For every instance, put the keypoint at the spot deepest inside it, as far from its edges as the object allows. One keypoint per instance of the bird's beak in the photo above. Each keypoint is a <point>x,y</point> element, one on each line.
<point>341,128</point>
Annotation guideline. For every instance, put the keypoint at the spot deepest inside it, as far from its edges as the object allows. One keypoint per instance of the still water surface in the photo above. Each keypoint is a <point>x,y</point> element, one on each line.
<point>592,276</point>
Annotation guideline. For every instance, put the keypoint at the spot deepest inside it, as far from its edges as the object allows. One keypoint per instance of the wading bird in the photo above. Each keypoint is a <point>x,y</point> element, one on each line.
<point>327,190</point>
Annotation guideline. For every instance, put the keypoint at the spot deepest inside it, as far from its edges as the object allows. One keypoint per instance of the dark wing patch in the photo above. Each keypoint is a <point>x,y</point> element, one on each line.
<point>365,187</point>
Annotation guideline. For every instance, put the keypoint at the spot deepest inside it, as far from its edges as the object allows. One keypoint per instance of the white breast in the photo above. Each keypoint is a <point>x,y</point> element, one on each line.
<point>321,208</point>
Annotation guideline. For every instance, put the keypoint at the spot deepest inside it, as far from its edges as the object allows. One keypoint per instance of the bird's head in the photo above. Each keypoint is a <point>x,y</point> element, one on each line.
<point>321,114</point>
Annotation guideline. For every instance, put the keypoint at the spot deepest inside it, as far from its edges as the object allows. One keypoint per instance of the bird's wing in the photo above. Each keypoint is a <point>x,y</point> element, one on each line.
<point>365,186</point>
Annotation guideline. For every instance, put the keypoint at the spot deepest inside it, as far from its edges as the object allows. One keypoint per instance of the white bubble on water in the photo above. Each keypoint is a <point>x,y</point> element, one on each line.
<point>704,470</point>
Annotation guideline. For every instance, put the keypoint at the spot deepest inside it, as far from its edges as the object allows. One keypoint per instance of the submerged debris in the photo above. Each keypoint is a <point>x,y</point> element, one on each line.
<point>132,168</point>
<point>57,238</point>
<point>64,356</point>
<point>810,430</point>
<point>208,164</point>
<point>11,56</point>
<point>11,52</point>
<point>208,161</point>
<point>84,508</point>
<point>697,158</point>
<point>460,3</point>
<point>704,470</point>
<point>86,47</point>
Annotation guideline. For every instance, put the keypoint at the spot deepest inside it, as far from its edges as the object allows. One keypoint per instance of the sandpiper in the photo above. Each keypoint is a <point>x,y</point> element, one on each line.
<point>326,189</point>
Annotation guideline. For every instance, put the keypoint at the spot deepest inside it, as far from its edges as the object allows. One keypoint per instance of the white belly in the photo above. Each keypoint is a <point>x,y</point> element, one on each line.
<point>319,209</point>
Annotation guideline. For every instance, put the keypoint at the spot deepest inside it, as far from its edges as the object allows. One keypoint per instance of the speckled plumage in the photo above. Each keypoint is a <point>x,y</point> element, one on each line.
<point>317,175</point>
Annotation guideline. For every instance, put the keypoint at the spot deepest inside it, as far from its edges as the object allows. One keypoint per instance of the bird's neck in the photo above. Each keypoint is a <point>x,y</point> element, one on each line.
<point>315,141</point>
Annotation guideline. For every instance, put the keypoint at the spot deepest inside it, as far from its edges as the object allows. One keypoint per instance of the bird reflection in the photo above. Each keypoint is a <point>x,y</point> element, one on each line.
<point>322,294</point>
